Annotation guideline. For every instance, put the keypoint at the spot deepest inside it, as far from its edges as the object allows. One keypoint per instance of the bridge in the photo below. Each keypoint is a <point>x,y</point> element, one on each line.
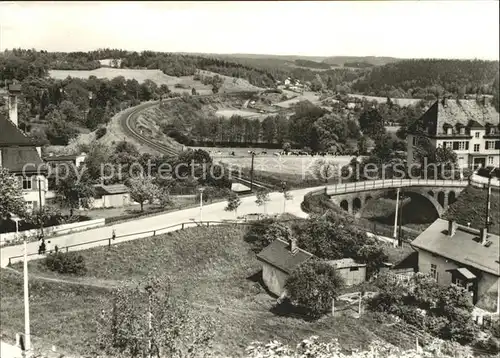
<point>353,197</point>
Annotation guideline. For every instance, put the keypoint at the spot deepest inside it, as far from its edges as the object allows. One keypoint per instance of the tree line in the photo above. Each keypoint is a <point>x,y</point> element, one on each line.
<point>429,78</point>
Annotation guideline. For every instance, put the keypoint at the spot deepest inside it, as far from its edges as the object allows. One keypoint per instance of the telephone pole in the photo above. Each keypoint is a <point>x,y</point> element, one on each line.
<point>396,216</point>
<point>251,171</point>
<point>488,201</point>
<point>40,203</point>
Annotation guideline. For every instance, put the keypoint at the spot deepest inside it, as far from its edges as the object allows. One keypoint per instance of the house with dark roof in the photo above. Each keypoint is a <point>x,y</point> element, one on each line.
<point>452,253</point>
<point>279,259</point>
<point>111,196</point>
<point>470,127</point>
<point>21,156</point>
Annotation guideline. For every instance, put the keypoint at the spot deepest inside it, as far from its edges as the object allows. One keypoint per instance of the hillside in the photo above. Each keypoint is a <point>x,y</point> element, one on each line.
<point>372,60</point>
<point>421,78</point>
<point>463,212</point>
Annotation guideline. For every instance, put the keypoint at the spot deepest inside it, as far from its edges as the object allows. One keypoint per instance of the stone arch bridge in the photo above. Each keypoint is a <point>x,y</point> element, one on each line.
<point>353,197</point>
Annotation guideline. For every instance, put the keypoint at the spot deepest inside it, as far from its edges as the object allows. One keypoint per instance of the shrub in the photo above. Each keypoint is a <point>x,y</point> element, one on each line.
<point>66,263</point>
<point>101,132</point>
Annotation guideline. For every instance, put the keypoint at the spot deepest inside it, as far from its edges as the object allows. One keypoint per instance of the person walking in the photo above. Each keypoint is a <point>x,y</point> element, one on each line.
<point>42,247</point>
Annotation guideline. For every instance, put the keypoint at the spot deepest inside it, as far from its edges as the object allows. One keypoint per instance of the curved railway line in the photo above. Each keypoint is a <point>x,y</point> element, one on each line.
<point>128,119</point>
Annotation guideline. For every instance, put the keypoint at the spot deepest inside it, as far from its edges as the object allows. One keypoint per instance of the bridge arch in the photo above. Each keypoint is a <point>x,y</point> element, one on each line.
<point>368,198</point>
<point>344,204</point>
<point>452,197</point>
<point>356,205</point>
<point>430,192</point>
<point>441,197</point>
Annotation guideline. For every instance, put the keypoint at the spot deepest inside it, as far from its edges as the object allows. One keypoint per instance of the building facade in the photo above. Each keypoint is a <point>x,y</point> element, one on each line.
<point>352,272</point>
<point>469,127</point>
<point>452,253</point>
<point>21,156</point>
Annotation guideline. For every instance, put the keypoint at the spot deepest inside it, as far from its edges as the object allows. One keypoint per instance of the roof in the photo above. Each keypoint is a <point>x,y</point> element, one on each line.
<point>17,158</point>
<point>11,135</point>
<point>455,113</point>
<point>111,189</point>
<point>344,263</point>
<point>465,273</point>
<point>55,158</point>
<point>278,254</point>
<point>463,247</point>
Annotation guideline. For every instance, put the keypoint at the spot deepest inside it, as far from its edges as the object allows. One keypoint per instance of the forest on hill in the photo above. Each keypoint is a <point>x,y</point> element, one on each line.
<point>429,78</point>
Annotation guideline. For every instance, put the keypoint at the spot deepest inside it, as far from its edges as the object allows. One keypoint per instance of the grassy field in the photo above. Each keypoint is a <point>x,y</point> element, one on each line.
<point>230,84</point>
<point>214,269</point>
<point>313,97</point>
<point>299,165</point>
<point>400,101</point>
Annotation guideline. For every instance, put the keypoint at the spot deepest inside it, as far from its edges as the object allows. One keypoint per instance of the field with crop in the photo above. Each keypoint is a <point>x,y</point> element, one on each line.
<point>184,83</point>
<point>213,269</point>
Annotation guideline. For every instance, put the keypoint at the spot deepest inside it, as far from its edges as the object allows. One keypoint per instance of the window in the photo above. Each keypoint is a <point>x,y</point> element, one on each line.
<point>449,130</point>
<point>476,147</point>
<point>490,144</point>
<point>462,130</point>
<point>434,273</point>
<point>458,282</point>
<point>462,145</point>
<point>27,183</point>
<point>476,134</point>
<point>354,269</point>
<point>490,160</point>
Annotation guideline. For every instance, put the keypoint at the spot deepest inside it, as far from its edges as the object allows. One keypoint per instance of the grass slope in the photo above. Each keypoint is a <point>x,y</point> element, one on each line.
<point>470,207</point>
<point>212,268</point>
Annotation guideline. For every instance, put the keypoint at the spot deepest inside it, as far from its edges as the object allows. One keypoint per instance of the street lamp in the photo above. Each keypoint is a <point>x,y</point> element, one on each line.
<point>201,190</point>
<point>27,338</point>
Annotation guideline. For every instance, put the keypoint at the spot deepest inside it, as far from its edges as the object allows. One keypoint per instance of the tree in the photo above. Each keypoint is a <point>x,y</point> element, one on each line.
<point>324,169</point>
<point>75,189</point>
<point>275,231</point>
<point>11,195</point>
<point>314,285</point>
<point>193,92</point>
<point>59,132</point>
<point>175,331</point>
<point>372,123</point>
<point>142,189</point>
<point>262,199</point>
<point>233,202</point>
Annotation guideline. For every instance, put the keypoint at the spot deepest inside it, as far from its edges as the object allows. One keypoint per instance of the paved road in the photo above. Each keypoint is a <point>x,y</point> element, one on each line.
<point>210,212</point>
<point>9,351</point>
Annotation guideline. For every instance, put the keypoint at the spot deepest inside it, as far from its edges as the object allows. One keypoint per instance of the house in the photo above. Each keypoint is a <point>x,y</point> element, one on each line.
<point>111,196</point>
<point>21,156</point>
<point>279,259</point>
<point>72,159</point>
<point>469,127</point>
<point>452,253</point>
<point>352,272</point>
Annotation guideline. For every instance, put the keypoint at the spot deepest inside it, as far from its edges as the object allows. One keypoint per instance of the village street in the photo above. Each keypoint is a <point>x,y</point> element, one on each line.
<point>211,212</point>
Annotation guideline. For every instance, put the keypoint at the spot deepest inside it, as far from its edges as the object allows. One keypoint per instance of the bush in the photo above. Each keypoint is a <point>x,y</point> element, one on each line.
<point>101,132</point>
<point>66,263</point>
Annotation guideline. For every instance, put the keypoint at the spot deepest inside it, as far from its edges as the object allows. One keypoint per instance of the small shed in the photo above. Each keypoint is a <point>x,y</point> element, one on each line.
<point>279,259</point>
<point>352,272</point>
<point>111,196</point>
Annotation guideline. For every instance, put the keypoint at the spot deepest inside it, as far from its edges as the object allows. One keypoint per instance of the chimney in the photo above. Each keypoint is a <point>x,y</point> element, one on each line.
<point>14,92</point>
<point>483,234</point>
<point>292,245</point>
<point>452,228</point>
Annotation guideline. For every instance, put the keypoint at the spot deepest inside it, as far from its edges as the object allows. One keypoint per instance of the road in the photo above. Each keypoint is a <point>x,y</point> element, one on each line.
<point>213,212</point>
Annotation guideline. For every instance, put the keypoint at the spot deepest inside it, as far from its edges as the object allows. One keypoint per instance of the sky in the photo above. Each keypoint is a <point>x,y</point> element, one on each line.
<point>404,29</point>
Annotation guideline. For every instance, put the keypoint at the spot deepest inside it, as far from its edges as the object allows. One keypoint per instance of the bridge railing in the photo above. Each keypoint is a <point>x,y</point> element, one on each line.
<point>388,183</point>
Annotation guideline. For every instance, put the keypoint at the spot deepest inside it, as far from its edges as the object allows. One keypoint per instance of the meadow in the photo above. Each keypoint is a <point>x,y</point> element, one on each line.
<point>214,269</point>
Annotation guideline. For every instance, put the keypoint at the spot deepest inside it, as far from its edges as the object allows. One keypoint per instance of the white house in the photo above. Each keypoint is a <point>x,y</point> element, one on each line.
<point>469,127</point>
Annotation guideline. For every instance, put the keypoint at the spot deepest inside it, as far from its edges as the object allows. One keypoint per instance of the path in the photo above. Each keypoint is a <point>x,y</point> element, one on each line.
<point>211,212</point>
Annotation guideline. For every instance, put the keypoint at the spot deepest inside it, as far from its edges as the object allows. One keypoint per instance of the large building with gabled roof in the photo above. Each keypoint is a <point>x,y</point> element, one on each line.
<point>468,126</point>
<point>21,156</point>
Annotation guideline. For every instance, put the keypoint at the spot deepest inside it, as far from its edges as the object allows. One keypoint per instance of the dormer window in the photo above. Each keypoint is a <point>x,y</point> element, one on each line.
<point>462,130</point>
<point>449,131</point>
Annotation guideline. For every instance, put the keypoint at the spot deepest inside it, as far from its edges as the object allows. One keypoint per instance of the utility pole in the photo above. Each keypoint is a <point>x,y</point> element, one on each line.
<point>27,334</point>
<point>400,240</point>
<point>251,172</point>
<point>201,203</point>
<point>396,216</point>
<point>488,201</point>
<point>149,290</point>
<point>40,203</point>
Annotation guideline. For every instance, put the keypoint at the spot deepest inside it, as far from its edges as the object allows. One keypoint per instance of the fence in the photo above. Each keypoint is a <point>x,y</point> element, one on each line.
<point>51,230</point>
<point>111,240</point>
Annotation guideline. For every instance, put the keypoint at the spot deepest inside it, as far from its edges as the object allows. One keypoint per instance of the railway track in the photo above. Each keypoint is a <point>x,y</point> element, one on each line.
<point>127,122</point>
<point>128,126</point>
